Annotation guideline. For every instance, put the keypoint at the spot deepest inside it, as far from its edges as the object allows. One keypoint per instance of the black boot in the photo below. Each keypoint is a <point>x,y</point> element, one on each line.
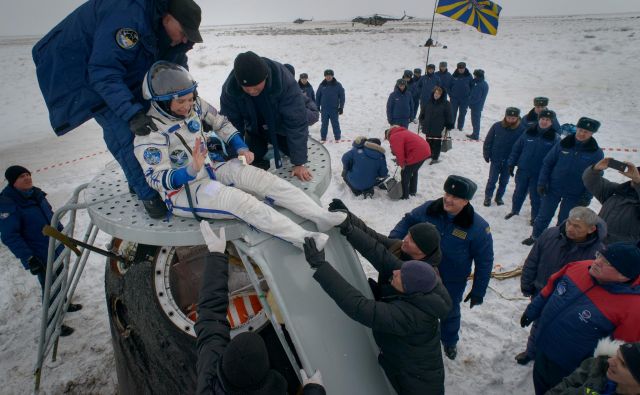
<point>508,216</point>
<point>529,241</point>
<point>66,330</point>
<point>499,201</point>
<point>487,202</point>
<point>73,307</point>
<point>523,358</point>
<point>155,207</point>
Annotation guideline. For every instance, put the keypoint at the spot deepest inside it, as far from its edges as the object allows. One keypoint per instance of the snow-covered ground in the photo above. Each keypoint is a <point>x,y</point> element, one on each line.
<point>586,65</point>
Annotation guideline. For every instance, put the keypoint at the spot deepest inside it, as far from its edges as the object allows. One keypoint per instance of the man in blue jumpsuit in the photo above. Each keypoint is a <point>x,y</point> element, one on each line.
<point>465,238</point>
<point>330,99</point>
<point>24,211</point>
<point>91,65</point>
<point>459,90</point>
<point>560,180</point>
<point>477,97</point>
<point>540,103</point>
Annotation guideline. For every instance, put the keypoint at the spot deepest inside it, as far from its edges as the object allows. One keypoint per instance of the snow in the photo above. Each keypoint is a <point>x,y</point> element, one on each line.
<point>584,64</point>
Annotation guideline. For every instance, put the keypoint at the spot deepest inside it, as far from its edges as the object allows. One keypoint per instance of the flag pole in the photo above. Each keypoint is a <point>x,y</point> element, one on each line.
<point>430,41</point>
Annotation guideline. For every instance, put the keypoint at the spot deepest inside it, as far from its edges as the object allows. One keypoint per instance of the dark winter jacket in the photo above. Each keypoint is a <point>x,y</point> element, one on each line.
<point>21,221</point>
<point>212,327</point>
<point>445,79</point>
<point>563,166</point>
<point>478,94</point>
<point>591,376</point>
<point>425,86</point>
<point>553,250</point>
<point>460,86</point>
<point>500,141</point>
<point>364,164</point>
<point>313,114</point>
<point>531,148</point>
<point>330,96</point>
<point>280,107</point>
<point>620,205</point>
<point>96,58</point>
<point>465,238</point>
<point>400,107</point>
<point>406,327</point>
<point>437,116</point>
<point>408,147</point>
<point>307,89</point>
<point>574,312</point>
<point>531,119</point>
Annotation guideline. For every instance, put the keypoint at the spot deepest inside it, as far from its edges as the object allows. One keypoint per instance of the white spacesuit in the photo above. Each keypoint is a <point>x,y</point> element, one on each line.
<point>218,189</point>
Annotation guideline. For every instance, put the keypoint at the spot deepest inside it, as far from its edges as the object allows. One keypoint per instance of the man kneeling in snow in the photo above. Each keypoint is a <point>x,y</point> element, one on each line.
<point>173,159</point>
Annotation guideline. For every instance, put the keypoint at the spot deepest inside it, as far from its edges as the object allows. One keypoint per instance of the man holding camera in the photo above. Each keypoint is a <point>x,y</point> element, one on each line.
<point>620,201</point>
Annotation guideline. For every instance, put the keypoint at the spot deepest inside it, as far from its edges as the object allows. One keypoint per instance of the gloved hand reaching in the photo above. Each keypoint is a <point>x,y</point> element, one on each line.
<point>214,243</point>
<point>314,257</point>
<point>36,266</point>
<point>475,300</point>
<point>512,170</point>
<point>337,205</point>
<point>340,110</point>
<point>525,321</point>
<point>141,124</point>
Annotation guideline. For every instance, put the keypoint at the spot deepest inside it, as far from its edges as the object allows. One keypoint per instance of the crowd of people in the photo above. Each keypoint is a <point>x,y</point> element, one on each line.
<point>183,157</point>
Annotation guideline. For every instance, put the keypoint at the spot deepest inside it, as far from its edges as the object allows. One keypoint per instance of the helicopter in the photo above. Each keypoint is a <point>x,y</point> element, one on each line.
<point>376,19</point>
<point>300,20</point>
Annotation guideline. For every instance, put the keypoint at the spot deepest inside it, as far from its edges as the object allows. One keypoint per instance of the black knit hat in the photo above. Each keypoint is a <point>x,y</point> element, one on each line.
<point>547,114</point>
<point>418,276</point>
<point>540,101</point>
<point>427,238</point>
<point>625,257</point>
<point>631,354</point>
<point>13,172</point>
<point>588,124</point>
<point>250,69</point>
<point>461,187</point>
<point>512,112</point>
<point>188,13</point>
<point>328,72</point>
<point>245,367</point>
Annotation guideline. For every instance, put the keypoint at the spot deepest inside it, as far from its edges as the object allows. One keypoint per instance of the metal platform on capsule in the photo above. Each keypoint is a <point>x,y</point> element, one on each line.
<point>114,210</point>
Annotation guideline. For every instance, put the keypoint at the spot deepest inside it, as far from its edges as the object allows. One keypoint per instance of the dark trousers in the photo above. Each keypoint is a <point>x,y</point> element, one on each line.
<point>459,109</point>
<point>547,374</point>
<point>548,206</point>
<point>450,326</point>
<point>119,140</point>
<point>259,145</point>
<point>435,143</point>
<point>476,114</point>
<point>409,181</point>
<point>355,191</point>
<point>498,172</point>
<point>335,124</point>
<point>526,183</point>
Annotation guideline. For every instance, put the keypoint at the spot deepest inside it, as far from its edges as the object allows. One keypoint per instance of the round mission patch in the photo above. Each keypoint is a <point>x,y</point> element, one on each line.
<point>127,38</point>
<point>152,155</point>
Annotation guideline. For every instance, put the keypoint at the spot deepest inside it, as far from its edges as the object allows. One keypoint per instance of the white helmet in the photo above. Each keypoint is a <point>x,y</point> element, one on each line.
<point>165,81</point>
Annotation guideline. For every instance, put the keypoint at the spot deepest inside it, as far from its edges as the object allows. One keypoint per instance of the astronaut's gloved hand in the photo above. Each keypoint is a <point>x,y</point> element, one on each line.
<point>141,124</point>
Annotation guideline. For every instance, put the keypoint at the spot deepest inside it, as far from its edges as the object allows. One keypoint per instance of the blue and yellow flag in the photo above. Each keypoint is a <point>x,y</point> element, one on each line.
<point>483,15</point>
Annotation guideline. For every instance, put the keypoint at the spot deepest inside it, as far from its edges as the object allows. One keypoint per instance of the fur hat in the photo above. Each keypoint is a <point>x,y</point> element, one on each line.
<point>540,101</point>
<point>328,72</point>
<point>401,81</point>
<point>588,124</point>
<point>188,13</point>
<point>427,238</point>
<point>625,257</point>
<point>13,172</point>
<point>304,76</point>
<point>417,70</point>
<point>631,354</point>
<point>250,69</point>
<point>461,187</point>
<point>443,64</point>
<point>245,367</point>
<point>479,73</point>
<point>512,112</point>
<point>407,74</point>
<point>418,276</point>
<point>462,64</point>
<point>431,66</point>
<point>547,114</point>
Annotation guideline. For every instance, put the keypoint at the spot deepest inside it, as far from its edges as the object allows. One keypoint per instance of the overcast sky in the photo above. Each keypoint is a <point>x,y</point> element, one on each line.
<point>36,17</point>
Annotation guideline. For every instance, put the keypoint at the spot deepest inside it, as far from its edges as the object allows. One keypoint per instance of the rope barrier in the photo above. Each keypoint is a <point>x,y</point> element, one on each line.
<point>60,164</point>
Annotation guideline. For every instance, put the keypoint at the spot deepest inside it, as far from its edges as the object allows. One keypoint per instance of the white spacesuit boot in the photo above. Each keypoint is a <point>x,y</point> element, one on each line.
<point>266,185</point>
<point>215,200</point>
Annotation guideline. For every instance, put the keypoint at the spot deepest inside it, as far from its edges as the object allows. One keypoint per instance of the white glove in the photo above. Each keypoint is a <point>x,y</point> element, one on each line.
<point>214,243</point>
<point>315,379</point>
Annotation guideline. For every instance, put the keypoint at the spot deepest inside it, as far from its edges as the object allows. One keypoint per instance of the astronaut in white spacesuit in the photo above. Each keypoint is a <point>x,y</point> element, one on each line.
<point>187,161</point>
